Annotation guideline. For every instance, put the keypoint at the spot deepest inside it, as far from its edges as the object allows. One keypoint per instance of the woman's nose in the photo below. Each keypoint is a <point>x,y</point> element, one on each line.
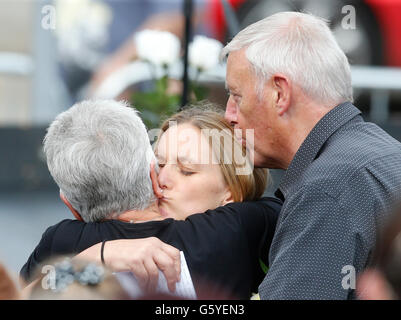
<point>165,177</point>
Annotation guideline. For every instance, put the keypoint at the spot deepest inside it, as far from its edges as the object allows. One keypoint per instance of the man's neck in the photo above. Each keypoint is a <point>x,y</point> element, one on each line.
<point>150,213</point>
<point>306,120</point>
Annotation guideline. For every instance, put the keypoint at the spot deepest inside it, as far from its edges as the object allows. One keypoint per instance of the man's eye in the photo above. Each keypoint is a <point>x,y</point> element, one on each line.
<point>234,96</point>
<point>161,165</point>
<point>237,98</point>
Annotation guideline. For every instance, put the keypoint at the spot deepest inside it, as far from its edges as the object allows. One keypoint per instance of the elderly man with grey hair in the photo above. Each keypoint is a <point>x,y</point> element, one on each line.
<point>99,154</point>
<point>97,166</point>
<point>289,81</point>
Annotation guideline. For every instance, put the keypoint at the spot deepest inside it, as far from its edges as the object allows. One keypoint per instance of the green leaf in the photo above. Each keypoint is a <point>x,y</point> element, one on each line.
<point>263,266</point>
<point>200,92</point>
<point>161,85</point>
<point>157,104</point>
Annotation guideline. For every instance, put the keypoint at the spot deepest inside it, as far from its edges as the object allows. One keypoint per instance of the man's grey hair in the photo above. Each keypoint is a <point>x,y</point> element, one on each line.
<point>300,46</point>
<point>99,154</point>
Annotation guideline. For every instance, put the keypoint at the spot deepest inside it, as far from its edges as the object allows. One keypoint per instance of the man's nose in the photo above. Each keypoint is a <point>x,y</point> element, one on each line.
<point>231,112</point>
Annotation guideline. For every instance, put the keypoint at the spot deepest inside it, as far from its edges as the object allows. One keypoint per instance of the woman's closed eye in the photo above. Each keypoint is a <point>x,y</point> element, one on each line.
<point>186,166</point>
<point>186,172</point>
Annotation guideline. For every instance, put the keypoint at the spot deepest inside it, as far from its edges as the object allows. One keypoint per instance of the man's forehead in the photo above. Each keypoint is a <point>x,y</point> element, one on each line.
<point>231,80</point>
<point>236,67</point>
<point>231,84</point>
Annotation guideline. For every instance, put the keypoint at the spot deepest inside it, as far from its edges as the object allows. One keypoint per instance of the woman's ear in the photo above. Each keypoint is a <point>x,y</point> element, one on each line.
<point>68,204</point>
<point>227,197</point>
<point>155,182</point>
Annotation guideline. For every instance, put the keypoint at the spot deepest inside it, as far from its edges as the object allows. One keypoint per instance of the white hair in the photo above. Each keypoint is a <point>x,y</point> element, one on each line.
<point>300,46</point>
<point>99,154</point>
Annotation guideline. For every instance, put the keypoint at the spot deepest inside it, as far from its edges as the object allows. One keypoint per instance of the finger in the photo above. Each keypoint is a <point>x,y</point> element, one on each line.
<point>174,253</point>
<point>167,265</point>
<point>153,274</point>
<point>141,275</point>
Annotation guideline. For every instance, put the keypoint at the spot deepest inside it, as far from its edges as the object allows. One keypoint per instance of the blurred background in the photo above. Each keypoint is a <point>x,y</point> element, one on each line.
<point>54,53</point>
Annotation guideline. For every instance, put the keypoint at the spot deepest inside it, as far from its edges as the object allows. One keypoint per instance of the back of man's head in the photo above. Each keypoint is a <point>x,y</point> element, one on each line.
<point>99,154</point>
<point>300,46</point>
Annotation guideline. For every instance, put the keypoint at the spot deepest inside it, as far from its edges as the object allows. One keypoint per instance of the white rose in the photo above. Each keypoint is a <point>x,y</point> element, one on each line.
<point>204,52</point>
<point>157,47</point>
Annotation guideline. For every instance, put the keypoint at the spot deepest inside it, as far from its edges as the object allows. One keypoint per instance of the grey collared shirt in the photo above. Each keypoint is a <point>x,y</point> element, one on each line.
<point>338,191</point>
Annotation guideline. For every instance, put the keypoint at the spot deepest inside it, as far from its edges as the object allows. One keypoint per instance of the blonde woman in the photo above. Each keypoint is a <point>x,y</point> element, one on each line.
<point>202,165</point>
<point>207,210</point>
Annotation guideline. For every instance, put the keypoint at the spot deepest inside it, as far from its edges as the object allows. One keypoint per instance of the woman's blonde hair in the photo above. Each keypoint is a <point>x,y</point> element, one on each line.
<point>243,187</point>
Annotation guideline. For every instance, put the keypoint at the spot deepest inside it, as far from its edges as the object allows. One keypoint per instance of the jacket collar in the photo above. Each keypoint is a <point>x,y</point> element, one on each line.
<point>309,149</point>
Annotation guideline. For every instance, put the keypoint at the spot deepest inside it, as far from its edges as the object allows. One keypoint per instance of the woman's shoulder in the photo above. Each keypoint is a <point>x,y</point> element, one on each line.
<point>263,205</point>
<point>266,207</point>
<point>272,202</point>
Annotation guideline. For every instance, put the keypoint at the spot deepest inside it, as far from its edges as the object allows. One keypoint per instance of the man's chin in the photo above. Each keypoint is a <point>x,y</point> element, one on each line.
<point>263,162</point>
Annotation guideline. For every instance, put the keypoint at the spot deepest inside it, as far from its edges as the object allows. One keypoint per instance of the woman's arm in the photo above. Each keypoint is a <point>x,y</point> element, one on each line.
<point>143,257</point>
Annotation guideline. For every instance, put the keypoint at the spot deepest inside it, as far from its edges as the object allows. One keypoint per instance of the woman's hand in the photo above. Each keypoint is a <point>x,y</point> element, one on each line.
<point>143,257</point>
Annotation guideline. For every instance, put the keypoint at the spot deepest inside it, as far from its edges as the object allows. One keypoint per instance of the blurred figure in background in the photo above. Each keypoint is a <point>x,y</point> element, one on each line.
<point>95,37</point>
<point>383,280</point>
<point>69,279</point>
<point>8,290</point>
<point>77,279</point>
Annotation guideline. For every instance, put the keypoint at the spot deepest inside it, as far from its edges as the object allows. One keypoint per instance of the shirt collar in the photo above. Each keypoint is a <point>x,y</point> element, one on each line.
<point>330,123</point>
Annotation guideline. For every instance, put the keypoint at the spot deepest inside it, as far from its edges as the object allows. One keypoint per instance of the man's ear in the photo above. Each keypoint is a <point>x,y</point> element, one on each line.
<point>68,204</point>
<point>155,182</point>
<point>282,93</point>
